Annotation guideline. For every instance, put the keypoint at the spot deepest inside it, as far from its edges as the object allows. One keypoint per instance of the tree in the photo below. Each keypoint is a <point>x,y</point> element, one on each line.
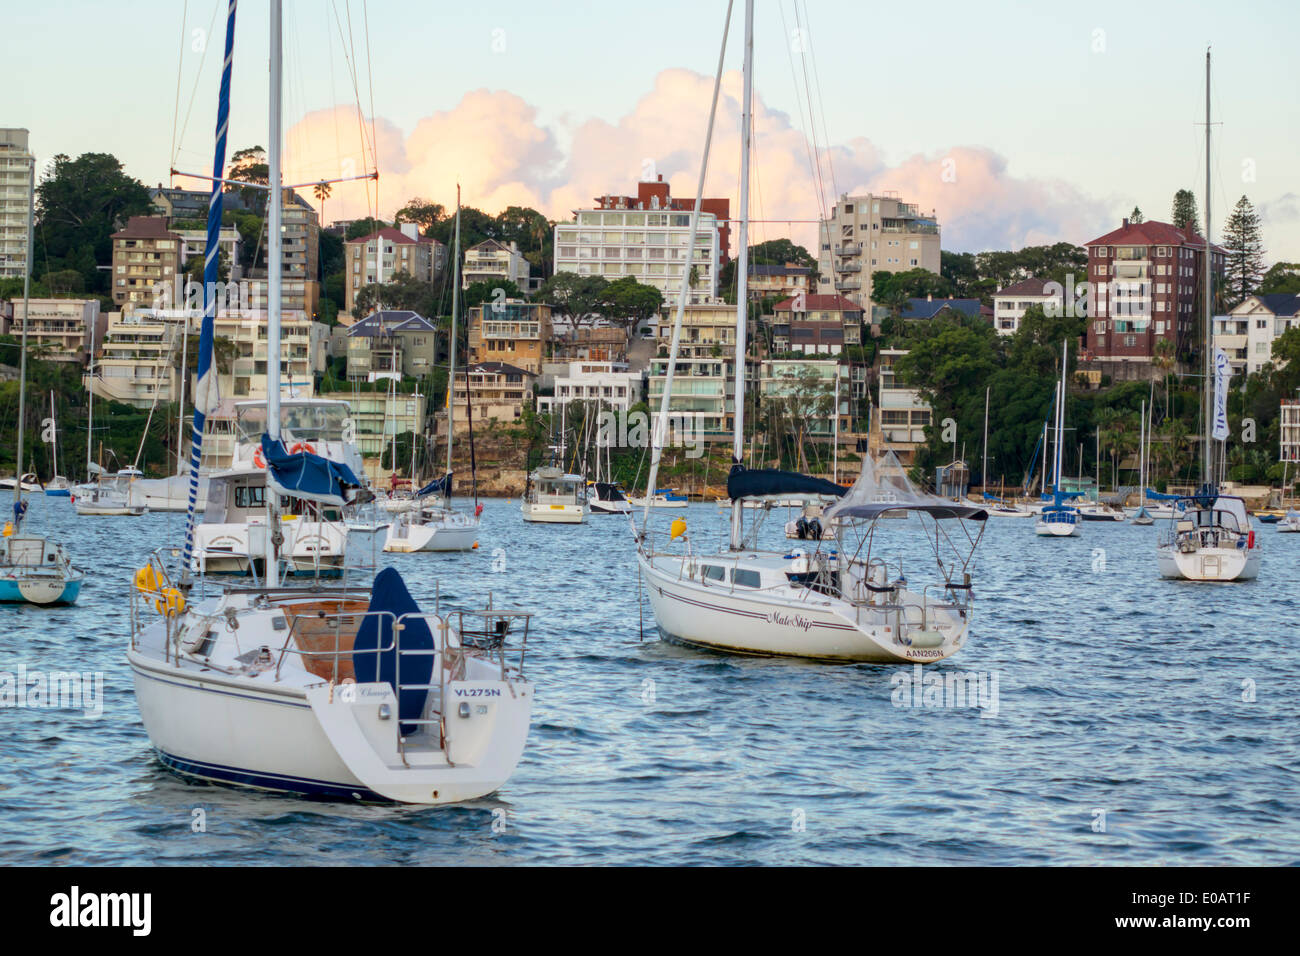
<point>1281,277</point>
<point>960,271</point>
<point>1184,213</point>
<point>580,298</point>
<point>364,227</point>
<point>423,212</point>
<point>478,293</point>
<point>1244,247</point>
<point>322,192</point>
<point>250,166</point>
<point>630,302</point>
<point>1136,216</point>
<point>401,292</point>
<point>893,289</point>
<point>80,203</point>
<point>803,398</point>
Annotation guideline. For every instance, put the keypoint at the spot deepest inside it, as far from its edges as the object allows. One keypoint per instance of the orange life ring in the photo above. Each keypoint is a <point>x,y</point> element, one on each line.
<point>302,446</point>
<point>258,459</point>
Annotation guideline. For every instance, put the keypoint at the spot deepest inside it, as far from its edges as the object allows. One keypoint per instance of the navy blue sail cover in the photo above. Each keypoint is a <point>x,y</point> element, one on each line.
<point>439,486</point>
<point>758,482</point>
<point>389,594</point>
<point>307,476</point>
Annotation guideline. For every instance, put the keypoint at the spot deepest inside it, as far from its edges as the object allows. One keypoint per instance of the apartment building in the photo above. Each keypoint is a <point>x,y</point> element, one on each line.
<point>609,383</point>
<point>806,385</point>
<point>816,324</point>
<point>1247,333</point>
<point>497,391</point>
<point>1146,283</point>
<point>645,236</point>
<point>869,234</point>
<point>493,261</point>
<point>704,380</point>
<point>303,349</point>
<point>377,417</point>
<point>780,282</point>
<point>382,254</point>
<point>16,161</point>
<point>299,257</point>
<point>1010,303</point>
<point>189,205</point>
<point>389,343</point>
<point>512,331</point>
<point>1289,430</point>
<point>901,415</point>
<point>146,261</point>
<point>59,330</point>
<point>139,358</point>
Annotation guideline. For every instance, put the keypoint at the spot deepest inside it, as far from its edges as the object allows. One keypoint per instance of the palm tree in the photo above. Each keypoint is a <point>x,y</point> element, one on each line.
<point>1164,360</point>
<point>322,190</point>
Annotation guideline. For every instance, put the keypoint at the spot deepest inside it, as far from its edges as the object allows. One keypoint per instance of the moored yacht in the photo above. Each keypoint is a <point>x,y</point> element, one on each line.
<point>552,497</point>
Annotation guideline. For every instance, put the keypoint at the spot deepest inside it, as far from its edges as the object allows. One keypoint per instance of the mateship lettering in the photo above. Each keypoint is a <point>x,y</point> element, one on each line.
<point>75,909</point>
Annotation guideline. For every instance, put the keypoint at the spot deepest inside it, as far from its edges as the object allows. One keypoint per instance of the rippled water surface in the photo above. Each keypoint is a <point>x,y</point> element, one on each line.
<point>1125,729</point>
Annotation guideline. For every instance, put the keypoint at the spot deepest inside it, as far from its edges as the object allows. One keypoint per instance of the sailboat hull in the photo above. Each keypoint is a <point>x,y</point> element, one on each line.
<point>404,537</point>
<point>32,589</point>
<point>1209,564</point>
<point>722,619</point>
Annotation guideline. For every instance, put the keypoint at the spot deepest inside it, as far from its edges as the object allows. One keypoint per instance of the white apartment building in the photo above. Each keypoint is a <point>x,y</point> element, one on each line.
<point>139,359</point>
<point>1011,303</point>
<point>648,245</point>
<point>304,349</point>
<point>492,261</point>
<point>384,253</point>
<point>1247,332</point>
<point>15,197</point>
<point>901,415</point>
<point>704,380</point>
<point>609,383</point>
<point>868,234</point>
<point>59,330</point>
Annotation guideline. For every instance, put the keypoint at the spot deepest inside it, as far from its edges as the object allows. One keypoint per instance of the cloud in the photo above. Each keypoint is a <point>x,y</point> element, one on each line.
<point>492,143</point>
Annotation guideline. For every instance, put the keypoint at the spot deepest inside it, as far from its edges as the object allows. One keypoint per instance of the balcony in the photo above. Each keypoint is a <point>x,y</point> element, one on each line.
<point>849,267</point>
<point>848,285</point>
<point>849,249</point>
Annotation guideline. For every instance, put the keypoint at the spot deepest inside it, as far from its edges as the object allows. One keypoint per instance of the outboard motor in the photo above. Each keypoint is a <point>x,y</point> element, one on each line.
<point>801,527</point>
<point>814,529</point>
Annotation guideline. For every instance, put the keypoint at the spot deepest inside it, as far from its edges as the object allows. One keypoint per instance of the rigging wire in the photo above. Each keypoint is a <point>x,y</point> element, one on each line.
<point>821,101</point>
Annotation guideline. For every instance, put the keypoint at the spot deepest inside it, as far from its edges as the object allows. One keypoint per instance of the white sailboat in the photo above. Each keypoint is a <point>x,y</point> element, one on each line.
<point>58,486</point>
<point>1212,538</point>
<point>837,602</point>
<point>33,569</point>
<point>1142,516</point>
<point>431,524</point>
<point>345,693</point>
<point>1058,519</point>
<point>552,496</point>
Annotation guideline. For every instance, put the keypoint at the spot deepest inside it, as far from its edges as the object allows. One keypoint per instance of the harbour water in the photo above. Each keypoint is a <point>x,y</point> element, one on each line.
<point>1135,721</point>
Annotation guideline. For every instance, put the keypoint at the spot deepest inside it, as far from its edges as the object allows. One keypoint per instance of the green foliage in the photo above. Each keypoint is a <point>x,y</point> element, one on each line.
<point>580,298</point>
<point>1184,212</point>
<point>80,203</point>
<point>250,166</point>
<point>364,227</point>
<point>1281,277</point>
<point>1244,248</point>
<point>480,292</point>
<point>403,291</point>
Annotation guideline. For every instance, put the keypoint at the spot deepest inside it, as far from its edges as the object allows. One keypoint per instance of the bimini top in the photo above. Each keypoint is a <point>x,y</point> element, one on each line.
<point>439,486</point>
<point>884,486</point>
<point>769,482</point>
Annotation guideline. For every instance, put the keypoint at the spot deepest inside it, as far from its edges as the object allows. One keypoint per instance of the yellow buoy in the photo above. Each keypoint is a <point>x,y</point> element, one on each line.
<point>146,579</point>
<point>678,528</point>
<point>171,602</point>
<point>9,528</point>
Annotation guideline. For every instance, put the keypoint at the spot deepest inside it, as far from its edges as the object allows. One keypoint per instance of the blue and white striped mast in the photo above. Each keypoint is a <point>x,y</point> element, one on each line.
<point>206,393</point>
<point>274,242</point>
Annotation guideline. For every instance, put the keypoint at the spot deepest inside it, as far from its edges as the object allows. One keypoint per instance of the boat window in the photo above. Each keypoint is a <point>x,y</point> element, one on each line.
<point>746,579</point>
<point>253,496</point>
<point>714,573</point>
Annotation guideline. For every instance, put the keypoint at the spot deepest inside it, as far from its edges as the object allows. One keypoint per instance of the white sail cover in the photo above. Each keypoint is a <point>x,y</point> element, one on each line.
<point>884,486</point>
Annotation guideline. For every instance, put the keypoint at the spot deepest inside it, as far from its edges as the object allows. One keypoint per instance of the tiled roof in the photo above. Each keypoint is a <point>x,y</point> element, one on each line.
<point>498,368</point>
<point>145,227</point>
<point>1030,286</point>
<point>388,232</point>
<point>819,303</point>
<point>929,308</point>
<point>1150,234</point>
<point>1281,303</point>
<point>389,321</point>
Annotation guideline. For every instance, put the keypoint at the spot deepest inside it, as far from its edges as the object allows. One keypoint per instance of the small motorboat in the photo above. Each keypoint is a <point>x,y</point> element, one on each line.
<point>1290,522</point>
<point>1143,517</point>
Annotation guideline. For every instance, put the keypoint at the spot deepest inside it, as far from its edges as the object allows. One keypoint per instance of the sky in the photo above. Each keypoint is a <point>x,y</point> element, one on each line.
<point>1018,123</point>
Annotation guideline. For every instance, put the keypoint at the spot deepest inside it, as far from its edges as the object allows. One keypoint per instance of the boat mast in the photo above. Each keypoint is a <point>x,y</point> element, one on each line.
<point>1207,465</point>
<point>54,438</point>
<point>1060,413</point>
<point>22,360</point>
<point>273,252</point>
<point>1142,457</point>
<point>742,269</point>
<point>90,401</point>
<point>835,431</point>
<point>180,417</point>
<point>984,466</point>
<point>451,354</point>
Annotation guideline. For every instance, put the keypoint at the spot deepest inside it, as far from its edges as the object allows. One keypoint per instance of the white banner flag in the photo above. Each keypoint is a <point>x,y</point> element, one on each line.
<point>1222,373</point>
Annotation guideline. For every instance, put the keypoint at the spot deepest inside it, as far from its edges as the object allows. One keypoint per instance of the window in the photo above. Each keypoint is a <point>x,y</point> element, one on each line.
<point>711,572</point>
<point>250,496</point>
<point>746,579</point>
